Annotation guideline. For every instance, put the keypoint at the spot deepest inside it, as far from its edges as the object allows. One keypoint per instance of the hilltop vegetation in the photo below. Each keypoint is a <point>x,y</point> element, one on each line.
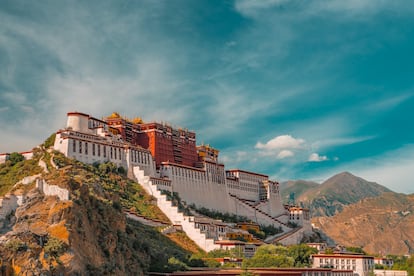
<point>15,169</point>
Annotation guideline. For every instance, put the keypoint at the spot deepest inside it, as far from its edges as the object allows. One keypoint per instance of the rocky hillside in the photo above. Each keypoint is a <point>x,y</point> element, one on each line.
<point>383,224</point>
<point>330,197</point>
<point>87,234</point>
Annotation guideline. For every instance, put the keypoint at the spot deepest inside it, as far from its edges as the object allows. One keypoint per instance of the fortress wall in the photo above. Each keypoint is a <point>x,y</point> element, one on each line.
<point>52,190</point>
<point>295,238</point>
<point>201,192</point>
<point>9,204</point>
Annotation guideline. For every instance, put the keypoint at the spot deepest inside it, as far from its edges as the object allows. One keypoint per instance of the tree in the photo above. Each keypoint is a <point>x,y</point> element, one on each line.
<point>271,249</point>
<point>301,253</point>
<point>270,256</point>
<point>175,264</point>
<point>15,158</point>
<point>269,260</point>
<point>50,141</point>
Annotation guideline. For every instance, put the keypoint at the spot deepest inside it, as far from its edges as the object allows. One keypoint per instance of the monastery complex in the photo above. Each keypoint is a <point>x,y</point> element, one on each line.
<point>163,158</point>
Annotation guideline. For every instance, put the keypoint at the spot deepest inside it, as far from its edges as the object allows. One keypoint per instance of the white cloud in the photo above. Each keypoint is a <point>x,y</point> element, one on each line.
<point>281,142</point>
<point>284,154</point>
<point>315,157</point>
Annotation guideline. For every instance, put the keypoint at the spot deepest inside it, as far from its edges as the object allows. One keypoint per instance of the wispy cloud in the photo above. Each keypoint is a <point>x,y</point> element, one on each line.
<point>339,141</point>
<point>338,7</point>
<point>389,102</point>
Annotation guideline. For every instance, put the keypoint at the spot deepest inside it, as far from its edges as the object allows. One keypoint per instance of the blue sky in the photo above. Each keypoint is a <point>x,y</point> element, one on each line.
<point>292,89</point>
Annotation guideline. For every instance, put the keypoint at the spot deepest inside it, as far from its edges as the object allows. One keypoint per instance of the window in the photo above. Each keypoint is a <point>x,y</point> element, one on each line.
<point>114,153</point>
<point>93,149</point>
<point>104,151</point>
<point>111,153</point>
<point>86,147</point>
<point>73,145</point>
<point>80,146</point>
<point>99,150</point>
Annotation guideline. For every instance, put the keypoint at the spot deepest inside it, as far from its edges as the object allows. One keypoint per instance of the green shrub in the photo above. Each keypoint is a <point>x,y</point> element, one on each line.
<point>16,245</point>
<point>50,141</point>
<point>54,247</point>
<point>15,158</point>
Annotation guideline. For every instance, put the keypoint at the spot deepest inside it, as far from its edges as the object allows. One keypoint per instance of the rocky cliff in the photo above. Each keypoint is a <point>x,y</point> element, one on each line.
<point>88,234</point>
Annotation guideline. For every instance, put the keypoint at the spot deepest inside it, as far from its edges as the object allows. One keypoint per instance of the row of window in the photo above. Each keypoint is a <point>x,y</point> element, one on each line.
<point>251,177</point>
<point>217,173</point>
<point>187,173</point>
<point>331,261</point>
<point>97,149</point>
<point>140,157</point>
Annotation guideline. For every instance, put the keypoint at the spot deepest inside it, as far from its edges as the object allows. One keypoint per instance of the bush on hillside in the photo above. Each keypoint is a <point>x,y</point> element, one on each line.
<point>50,141</point>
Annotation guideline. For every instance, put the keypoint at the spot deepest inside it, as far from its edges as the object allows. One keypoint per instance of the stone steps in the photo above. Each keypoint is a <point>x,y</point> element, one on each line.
<point>173,214</point>
<point>260,211</point>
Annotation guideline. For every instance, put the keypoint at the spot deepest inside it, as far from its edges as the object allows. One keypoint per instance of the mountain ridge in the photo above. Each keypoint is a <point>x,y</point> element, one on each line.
<point>333,194</point>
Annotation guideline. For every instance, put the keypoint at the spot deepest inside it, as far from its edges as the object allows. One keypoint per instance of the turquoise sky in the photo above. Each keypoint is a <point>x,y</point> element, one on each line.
<point>292,89</point>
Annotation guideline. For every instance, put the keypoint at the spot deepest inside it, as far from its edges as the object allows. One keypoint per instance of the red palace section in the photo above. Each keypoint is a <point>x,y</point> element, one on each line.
<point>164,142</point>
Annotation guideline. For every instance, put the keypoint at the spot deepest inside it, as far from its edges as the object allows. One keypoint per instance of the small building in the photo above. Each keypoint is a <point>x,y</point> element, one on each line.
<point>381,272</point>
<point>262,271</point>
<point>231,244</point>
<point>248,226</point>
<point>299,215</point>
<point>386,262</point>
<point>239,234</point>
<point>362,265</point>
<point>4,157</point>
<point>213,228</point>
<point>320,246</point>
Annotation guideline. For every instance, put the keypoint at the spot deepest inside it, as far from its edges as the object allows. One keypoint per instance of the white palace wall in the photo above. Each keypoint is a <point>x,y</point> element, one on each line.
<point>194,187</point>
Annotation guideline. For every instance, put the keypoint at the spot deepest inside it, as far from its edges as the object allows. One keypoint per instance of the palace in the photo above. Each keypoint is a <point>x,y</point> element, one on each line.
<point>170,159</point>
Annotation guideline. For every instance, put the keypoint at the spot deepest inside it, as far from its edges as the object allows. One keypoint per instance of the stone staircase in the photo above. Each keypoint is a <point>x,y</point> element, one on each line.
<point>278,238</point>
<point>254,207</point>
<point>168,229</point>
<point>176,217</point>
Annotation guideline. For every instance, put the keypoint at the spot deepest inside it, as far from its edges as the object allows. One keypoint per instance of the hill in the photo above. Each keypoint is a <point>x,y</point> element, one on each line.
<point>298,187</point>
<point>330,197</point>
<point>88,234</point>
<point>382,224</point>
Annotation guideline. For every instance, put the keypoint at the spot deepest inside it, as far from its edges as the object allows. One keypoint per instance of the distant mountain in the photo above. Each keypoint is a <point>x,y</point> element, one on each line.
<point>297,187</point>
<point>330,197</point>
<point>383,224</point>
